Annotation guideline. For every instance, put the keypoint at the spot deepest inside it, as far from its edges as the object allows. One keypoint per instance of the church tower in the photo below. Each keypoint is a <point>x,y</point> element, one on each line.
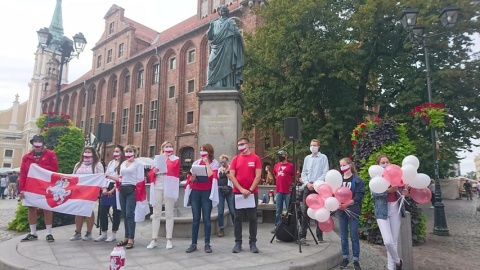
<point>208,7</point>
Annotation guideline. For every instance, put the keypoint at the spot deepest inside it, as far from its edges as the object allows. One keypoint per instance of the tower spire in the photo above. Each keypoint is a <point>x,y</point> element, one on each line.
<point>56,26</point>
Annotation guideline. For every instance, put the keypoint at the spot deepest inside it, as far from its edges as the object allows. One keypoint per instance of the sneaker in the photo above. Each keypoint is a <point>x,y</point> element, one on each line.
<point>221,232</point>
<point>102,237</point>
<point>274,230</point>
<point>169,244</point>
<point>253,248</point>
<point>344,263</point>
<point>356,266</point>
<point>208,248</point>
<point>237,248</point>
<point>399,267</point>
<point>87,237</point>
<point>50,238</point>
<point>111,238</point>
<point>76,236</point>
<point>320,238</point>
<point>153,244</point>
<point>303,242</point>
<point>191,248</point>
<point>29,237</point>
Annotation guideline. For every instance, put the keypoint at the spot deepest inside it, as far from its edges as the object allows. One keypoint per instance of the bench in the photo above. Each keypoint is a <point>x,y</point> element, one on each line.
<point>268,212</point>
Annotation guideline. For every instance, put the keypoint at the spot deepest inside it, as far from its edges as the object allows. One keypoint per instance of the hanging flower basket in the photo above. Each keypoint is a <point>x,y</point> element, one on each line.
<point>430,115</point>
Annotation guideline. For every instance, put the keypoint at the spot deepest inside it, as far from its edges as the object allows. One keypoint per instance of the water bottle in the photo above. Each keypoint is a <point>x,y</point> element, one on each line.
<point>264,198</point>
<point>123,256</point>
<point>116,259</point>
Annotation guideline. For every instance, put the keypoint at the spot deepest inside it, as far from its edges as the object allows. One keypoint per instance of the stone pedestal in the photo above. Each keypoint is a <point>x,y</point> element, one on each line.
<point>220,120</point>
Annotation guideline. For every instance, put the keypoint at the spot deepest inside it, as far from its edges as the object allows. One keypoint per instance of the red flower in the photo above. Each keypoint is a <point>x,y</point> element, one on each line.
<point>364,134</point>
<point>350,156</point>
<point>354,142</point>
<point>366,215</point>
<point>363,125</point>
<point>355,131</point>
<point>377,120</point>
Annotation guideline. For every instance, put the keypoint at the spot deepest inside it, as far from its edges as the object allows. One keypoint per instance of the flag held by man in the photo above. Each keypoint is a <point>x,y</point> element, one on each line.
<point>64,193</point>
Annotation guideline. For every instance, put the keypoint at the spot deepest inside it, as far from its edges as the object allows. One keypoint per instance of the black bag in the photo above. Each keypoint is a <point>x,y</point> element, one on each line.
<point>225,190</point>
<point>127,189</point>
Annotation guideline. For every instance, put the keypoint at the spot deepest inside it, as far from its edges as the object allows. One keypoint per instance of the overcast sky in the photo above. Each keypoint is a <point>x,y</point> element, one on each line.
<point>22,18</point>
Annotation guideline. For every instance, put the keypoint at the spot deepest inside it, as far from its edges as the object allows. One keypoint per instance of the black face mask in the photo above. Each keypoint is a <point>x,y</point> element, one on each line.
<point>281,158</point>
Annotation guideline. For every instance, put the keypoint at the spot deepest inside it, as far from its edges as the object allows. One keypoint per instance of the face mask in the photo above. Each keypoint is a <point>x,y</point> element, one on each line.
<point>384,165</point>
<point>37,144</point>
<point>87,155</point>
<point>129,155</point>
<point>281,158</point>
<point>203,154</point>
<point>314,149</point>
<point>223,163</point>
<point>242,148</point>
<point>116,155</point>
<point>168,150</point>
<point>345,168</point>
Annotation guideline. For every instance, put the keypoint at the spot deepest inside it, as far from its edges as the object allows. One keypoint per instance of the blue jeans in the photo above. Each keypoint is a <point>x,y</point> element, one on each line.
<point>221,207</point>
<point>128,203</point>
<point>201,206</point>
<point>345,221</point>
<point>281,199</point>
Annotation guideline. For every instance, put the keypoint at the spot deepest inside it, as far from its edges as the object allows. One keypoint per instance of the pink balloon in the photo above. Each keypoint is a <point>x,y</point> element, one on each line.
<point>421,195</point>
<point>320,202</point>
<point>393,173</point>
<point>326,226</point>
<point>312,201</point>
<point>325,191</point>
<point>343,194</point>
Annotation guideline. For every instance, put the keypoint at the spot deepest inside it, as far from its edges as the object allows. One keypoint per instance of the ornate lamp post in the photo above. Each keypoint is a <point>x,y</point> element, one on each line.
<point>65,49</point>
<point>448,17</point>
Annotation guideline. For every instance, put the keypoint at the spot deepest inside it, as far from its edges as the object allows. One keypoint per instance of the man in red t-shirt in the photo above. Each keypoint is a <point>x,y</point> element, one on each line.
<point>245,173</point>
<point>283,172</point>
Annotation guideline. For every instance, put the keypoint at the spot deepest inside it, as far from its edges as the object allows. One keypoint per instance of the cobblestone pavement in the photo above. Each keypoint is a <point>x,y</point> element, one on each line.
<point>7,213</point>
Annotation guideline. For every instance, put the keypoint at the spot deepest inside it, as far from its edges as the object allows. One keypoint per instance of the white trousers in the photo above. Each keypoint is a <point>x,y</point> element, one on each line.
<point>390,228</point>
<point>157,213</point>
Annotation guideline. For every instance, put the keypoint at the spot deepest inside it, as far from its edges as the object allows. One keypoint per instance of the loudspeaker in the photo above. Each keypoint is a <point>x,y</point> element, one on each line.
<point>291,127</point>
<point>104,132</point>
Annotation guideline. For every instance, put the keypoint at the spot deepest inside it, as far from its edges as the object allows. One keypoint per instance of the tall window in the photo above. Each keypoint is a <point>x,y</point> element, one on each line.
<point>121,46</point>
<point>82,124</point>
<point>90,125</point>
<point>109,56</point>
<point>189,117</point>
<point>124,121</point>
<point>8,153</point>
<point>138,117</point>
<point>112,118</point>
<point>114,88</point>
<point>191,56</point>
<point>111,28</point>
<point>153,114</point>
<point>156,74</point>
<point>171,91</point>
<point>99,61</point>
<point>126,83</point>
<point>93,94</point>
<point>140,79</point>
<point>102,118</point>
<point>172,63</point>
<point>151,151</point>
<point>190,86</point>
<point>84,101</point>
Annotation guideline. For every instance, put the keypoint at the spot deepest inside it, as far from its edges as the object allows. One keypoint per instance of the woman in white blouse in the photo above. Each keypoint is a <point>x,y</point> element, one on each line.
<point>108,198</point>
<point>89,164</point>
<point>131,173</point>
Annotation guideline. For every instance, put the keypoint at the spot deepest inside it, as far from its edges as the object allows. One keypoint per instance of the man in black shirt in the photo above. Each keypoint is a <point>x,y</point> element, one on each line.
<point>468,189</point>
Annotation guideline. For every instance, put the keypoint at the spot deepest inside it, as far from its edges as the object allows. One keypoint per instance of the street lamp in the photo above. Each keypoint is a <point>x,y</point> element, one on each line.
<point>66,48</point>
<point>417,35</point>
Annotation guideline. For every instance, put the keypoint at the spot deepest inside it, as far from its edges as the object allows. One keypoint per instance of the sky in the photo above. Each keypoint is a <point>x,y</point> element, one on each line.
<point>86,16</point>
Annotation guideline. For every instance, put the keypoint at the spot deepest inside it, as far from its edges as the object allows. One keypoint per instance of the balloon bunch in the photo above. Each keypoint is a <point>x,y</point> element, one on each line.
<point>407,175</point>
<point>321,204</point>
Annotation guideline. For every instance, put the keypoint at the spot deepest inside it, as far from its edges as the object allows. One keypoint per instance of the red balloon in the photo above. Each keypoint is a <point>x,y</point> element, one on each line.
<point>326,226</point>
<point>325,191</point>
<point>343,194</point>
<point>421,195</point>
<point>312,201</point>
<point>393,173</point>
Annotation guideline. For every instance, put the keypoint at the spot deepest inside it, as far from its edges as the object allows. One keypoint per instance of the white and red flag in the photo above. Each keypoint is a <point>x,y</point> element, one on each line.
<point>73,194</point>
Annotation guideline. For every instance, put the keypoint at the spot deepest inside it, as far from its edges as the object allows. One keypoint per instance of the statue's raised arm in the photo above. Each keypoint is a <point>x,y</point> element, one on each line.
<point>226,61</point>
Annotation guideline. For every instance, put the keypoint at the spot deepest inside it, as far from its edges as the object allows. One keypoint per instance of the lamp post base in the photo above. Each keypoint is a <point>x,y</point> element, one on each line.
<point>440,222</point>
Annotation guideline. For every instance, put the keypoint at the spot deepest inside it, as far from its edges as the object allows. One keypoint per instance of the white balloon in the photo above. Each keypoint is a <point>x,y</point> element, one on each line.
<point>375,170</point>
<point>318,183</point>
<point>334,179</point>
<point>420,181</point>
<point>378,184</point>
<point>322,214</point>
<point>311,213</point>
<point>332,204</point>
<point>411,159</point>
<point>409,173</point>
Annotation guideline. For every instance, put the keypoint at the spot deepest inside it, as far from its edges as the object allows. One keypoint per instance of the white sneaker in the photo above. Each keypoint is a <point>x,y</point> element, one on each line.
<point>111,238</point>
<point>169,244</point>
<point>102,237</point>
<point>153,244</point>
<point>76,236</point>
<point>87,237</point>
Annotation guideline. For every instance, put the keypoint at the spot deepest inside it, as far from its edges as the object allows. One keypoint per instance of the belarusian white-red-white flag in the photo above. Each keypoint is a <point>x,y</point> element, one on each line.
<point>73,194</point>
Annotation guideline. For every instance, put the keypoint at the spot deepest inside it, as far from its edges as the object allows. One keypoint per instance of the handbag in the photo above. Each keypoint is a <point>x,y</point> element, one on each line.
<point>127,189</point>
<point>225,190</point>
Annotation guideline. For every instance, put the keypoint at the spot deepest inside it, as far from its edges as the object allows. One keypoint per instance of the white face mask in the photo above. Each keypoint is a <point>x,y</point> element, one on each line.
<point>203,154</point>
<point>129,155</point>
<point>384,165</point>
<point>314,149</point>
<point>116,155</point>
<point>242,148</point>
<point>345,168</point>
<point>37,144</point>
<point>168,150</point>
